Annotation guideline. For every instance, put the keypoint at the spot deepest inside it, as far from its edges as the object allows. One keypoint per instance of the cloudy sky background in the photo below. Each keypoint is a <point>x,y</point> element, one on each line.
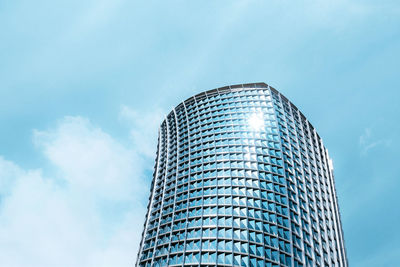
<point>84,85</point>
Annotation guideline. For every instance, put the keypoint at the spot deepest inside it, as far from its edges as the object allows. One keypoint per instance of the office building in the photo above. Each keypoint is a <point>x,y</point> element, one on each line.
<point>241,179</point>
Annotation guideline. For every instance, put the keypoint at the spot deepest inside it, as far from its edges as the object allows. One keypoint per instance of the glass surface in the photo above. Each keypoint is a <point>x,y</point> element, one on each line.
<point>242,179</point>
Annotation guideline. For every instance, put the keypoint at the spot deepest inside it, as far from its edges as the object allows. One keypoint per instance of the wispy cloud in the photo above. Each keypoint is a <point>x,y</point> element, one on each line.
<point>367,141</point>
<point>86,210</point>
<point>143,128</point>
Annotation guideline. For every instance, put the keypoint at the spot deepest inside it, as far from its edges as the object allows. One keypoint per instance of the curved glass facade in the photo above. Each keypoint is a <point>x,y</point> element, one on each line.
<point>241,179</point>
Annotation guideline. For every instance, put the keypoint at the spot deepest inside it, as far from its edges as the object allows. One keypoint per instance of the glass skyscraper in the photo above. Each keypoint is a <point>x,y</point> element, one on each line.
<point>241,179</point>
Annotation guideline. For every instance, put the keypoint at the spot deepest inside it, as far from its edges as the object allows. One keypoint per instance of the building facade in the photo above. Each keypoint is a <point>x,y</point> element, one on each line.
<point>241,179</point>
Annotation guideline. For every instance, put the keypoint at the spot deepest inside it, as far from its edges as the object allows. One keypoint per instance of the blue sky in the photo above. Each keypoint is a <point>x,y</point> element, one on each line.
<point>84,85</point>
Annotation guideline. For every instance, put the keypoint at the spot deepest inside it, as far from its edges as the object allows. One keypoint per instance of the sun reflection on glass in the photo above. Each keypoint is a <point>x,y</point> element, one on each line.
<point>256,122</point>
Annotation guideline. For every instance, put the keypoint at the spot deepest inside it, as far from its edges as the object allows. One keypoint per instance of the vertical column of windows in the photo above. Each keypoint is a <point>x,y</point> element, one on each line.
<point>306,161</point>
<point>180,215</point>
<point>295,140</point>
<point>167,195</point>
<point>192,232</point>
<point>292,174</point>
<point>229,245</point>
<point>324,217</point>
<point>316,186</point>
<point>338,242</point>
<point>223,246</point>
<point>269,173</point>
<point>245,212</point>
<point>145,242</point>
<point>255,225</point>
<point>154,212</point>
<point>275,187</point>
<point>316,218</point>
<point>327,207</point>
<point>302,134</point>
<point>181,138</point>
<point>321,198</point>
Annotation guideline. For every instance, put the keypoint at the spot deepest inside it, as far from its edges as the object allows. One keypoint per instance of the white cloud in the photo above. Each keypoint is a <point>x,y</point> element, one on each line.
<point>365,136</point>
<point>143,131</point>
<point>90,159</point>
<point>8,172</point>
<point>88,210</point>
<point>368,142</point>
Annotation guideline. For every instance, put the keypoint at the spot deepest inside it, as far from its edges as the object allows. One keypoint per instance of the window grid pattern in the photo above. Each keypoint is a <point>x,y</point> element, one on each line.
<point>227,194</point>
